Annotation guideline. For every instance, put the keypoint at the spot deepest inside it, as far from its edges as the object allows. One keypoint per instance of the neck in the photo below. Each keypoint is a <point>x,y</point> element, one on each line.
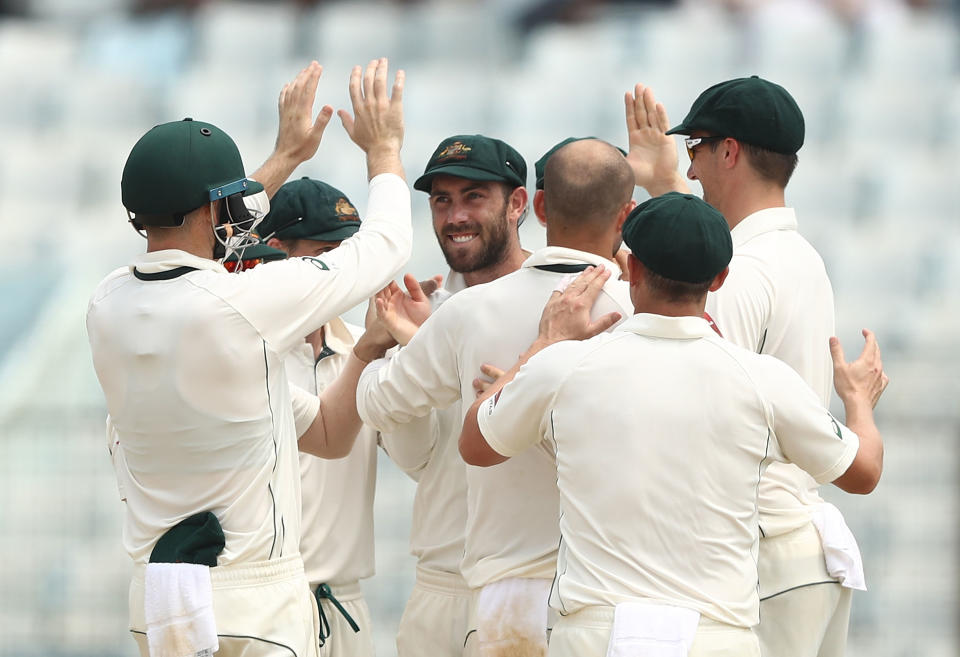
<point>191,247</point>
<point>587,241</point>
<point>741,206</point>
<point>315,340</point>
<point>195,235</point>
<point>670,308</point>
<point>509,264</point>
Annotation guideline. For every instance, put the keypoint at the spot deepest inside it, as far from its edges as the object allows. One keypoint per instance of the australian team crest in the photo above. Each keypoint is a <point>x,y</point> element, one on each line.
<point>345,211</point>
<point>455,151</point>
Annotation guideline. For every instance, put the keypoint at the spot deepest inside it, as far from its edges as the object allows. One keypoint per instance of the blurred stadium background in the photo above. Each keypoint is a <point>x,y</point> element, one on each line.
<point>82,79</point>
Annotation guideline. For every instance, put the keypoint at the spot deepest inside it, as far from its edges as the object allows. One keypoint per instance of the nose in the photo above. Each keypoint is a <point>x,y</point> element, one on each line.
<point>458,213</point>
<point>690,174</point>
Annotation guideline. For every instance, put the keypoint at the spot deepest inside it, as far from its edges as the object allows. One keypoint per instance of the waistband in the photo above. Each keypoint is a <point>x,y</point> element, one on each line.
<point>344,592</point>
<point>254,572</point>
<point>440,582</point>
<point>601,615</point>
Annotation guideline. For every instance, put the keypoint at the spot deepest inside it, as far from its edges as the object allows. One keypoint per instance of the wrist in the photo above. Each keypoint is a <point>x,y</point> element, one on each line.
<point>368,351</point>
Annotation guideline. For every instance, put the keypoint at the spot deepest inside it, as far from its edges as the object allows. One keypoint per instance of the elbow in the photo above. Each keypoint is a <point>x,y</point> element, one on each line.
<point>860,478</point>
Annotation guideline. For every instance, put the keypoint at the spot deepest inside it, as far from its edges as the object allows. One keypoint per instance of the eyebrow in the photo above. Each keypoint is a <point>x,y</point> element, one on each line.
<point>470,188</point>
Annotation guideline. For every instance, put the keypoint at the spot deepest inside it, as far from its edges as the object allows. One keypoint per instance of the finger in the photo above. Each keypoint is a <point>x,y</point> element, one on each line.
<point>380,80</point>
<point>562,284</point>
<point>381,306</point>
<point>312,79</point>
<point>602,324</point>
<point>478,386</point>
<point>596,282</point>
<point>323,118</point>
<point>431,285</point>
<point>870,347</point>
<point>413,288</point>
<point>492,371</point>
<point>579,284</point>
<point>368,77</point>
<point>884,381</point>
<point>347,121</point>
<point>631,112</point>
<point>662,119</point>
<point>836,352</point>
<point>639,108</point>
<point>396,96</point>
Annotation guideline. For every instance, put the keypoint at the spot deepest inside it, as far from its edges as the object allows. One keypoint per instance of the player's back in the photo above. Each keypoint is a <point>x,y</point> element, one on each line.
<point>513,508</point>
<point>202,410</point>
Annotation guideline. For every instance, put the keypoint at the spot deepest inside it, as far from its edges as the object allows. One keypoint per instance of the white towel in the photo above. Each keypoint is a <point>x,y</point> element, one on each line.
<point>178,605</point>
<point>840,549</point>
<point>512,617</point>
<point>652,630</point>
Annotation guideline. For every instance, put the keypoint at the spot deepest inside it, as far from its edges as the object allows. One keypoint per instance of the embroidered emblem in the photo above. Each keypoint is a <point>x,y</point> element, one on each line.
<point>457,150</point>
<point>345,211</point>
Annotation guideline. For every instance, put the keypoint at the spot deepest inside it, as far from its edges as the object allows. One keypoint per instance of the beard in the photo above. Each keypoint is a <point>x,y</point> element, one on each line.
<point>493,241</point>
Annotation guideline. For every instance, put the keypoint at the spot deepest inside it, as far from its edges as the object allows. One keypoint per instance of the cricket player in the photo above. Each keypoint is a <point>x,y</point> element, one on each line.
<point>664,423</point>
<point>743,138</point>
<point>512,512</point>
<point>477,200</point>
<point>309,218</point>
<point>191,362</point>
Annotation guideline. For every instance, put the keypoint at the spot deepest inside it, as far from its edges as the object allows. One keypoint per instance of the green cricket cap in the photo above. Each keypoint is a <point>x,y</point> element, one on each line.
<point>257,251</point>
<point>541,165</point>
<point>173,169</point>
<point>474,157</point>
<point>679,237</point>
<point>198,539</point>
<point>312,210</point>
<point>752,110</point>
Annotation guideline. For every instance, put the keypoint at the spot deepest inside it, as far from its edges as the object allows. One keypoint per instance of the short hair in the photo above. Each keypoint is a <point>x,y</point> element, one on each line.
<point>587,181</point>
<point>675,291</point>
<point>769,165</point>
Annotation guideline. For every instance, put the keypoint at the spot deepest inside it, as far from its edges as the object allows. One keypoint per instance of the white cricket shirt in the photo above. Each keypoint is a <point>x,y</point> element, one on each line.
<point>191,364</point>
<point>662,430</point>
<point>778,300</point>
<point>512,508</point>
<point>336,540</point>
<point>427,449</point>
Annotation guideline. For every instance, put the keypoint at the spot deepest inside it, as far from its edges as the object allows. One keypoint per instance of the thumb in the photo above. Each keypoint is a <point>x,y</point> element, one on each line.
<point>413,287</point>
<point>602,324</point>
<point>346,120</point>
<point>836,352</point>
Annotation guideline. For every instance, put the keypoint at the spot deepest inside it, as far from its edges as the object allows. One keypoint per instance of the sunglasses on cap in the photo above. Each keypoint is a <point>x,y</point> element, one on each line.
<point>693,142</point>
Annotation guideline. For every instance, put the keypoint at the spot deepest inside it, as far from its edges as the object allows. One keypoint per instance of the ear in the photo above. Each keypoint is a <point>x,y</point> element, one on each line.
<point>636,269</point>
<point>275,243</point>
<point>719,279</point>
<point>624,213</point>
<point>732,153</point>
<point>540,208</point>
<point>516,204</point>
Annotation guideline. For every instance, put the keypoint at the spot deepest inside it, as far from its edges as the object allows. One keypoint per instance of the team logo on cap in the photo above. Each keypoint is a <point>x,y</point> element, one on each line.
<point>345,211</point>
<point>457,150</point>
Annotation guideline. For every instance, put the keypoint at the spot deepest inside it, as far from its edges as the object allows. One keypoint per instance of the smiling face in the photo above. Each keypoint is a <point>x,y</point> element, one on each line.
<point>470,222</point>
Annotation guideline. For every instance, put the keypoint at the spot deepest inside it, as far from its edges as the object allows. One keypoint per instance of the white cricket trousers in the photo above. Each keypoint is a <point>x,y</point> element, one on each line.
<point>343,641</point>
<point>804,612</point>
<point>262,609</point>
<point>436,618</point>
<point>586,633</point>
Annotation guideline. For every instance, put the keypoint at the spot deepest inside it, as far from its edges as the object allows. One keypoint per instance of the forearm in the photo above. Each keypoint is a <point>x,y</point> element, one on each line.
<point>384,160</point>
<point>672,183</point>
<point>335,428</point>
<point>474,448</point>
<point>864,473</point>
<point>275,171</point>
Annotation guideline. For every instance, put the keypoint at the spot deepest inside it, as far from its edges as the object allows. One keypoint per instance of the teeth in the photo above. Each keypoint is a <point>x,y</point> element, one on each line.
<point>462,238</point>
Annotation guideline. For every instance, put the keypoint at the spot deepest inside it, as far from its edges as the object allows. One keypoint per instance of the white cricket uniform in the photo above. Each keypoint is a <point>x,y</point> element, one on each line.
<point>190,360</point>
<point>778,300</point>
<point>436,618</point>
<point>668,425</point>
<point>512,509</point>
<point>337,503</point>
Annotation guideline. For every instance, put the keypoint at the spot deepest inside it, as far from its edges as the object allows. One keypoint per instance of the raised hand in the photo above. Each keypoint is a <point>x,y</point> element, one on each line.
<point>404,313</point>
<point>377,122</point>
<point>567,313</point>
<point>863,380</point>
<point>653,153</point>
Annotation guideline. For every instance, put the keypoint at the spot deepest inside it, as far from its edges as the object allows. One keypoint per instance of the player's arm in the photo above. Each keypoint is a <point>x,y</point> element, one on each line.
<point>411,445</point>
<point>653,153</point>
<point>859,385</point>
<point>849,456</point>
<point>299,134</point>
<point>335,425</point>
<point>565,317</point>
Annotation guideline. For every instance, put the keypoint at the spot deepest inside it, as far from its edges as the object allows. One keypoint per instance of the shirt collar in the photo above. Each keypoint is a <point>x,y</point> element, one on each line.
<point>763,221</point>
<point>337,336</point>
<point>661,326</point>
<point>159,261</point>
<point>557,255</point>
